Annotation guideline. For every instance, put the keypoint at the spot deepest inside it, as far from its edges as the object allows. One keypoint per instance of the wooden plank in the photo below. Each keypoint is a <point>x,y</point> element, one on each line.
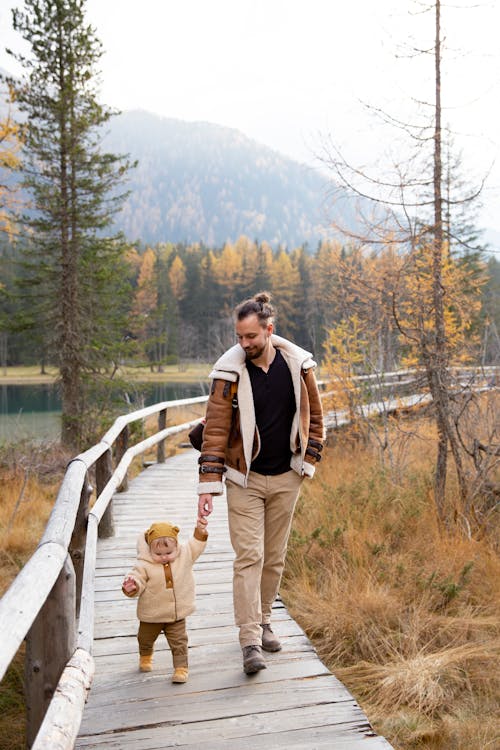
<point>256,695</point>
<point>202,659</point>
<point>220,634</point>
<point>335,736</point>
<point>155,686</point>
<point>206,657</point>
<point>221,629</point>
<point>294,703</point>
<point>315,722</point>
<point>124,622</point>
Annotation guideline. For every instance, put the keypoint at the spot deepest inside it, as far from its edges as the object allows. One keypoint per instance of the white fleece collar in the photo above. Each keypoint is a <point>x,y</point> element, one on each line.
<point>232,363</point>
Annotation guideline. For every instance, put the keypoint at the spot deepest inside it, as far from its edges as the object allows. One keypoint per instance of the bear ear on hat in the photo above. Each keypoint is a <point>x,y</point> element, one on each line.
<point>152,533</point>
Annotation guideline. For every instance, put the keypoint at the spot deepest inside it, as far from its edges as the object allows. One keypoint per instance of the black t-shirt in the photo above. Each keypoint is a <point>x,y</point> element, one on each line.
<point>274,402</point>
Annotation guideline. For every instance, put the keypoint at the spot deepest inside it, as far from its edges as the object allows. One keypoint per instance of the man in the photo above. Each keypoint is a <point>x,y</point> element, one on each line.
<point>264,433</point>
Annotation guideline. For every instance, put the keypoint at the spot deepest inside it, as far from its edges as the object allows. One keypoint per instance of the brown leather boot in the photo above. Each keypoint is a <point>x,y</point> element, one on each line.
<point>270,641</point>
<point>180,674</point>
<point>146,663</point>
<point>253,659</point>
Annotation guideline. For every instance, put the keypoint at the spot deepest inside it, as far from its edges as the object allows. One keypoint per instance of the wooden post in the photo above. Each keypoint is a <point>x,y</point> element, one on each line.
<point>50,644</point>
<point>103,473</point>
<point>162,423</point>
<point>78,538</point>
<point>64,715</point>
<point>121,447</point>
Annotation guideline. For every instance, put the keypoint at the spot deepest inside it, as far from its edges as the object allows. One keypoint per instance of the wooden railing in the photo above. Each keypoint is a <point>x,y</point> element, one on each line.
<point>51,602</point>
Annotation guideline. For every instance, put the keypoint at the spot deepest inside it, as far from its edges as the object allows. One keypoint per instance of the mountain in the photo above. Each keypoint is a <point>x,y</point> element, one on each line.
<point>201,182</point>
<point>196,181</point>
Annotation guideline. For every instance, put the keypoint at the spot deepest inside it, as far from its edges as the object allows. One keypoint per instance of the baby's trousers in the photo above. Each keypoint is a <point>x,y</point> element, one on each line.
<point>175,633</point>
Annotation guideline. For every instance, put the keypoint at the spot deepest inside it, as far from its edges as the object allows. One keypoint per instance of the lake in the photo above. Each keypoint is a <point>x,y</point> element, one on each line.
<point>34,411</point>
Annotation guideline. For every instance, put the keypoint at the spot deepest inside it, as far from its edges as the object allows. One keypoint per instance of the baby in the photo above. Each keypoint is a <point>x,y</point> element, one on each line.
<point>162,578</point>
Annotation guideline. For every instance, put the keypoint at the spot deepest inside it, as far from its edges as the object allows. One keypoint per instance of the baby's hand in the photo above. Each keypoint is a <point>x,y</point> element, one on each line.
<point>201,523</point>
<point>129,585</point>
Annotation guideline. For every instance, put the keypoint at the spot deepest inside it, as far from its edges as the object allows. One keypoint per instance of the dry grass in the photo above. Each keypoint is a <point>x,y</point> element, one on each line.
<point>30,476</point>
<point>405,613</point>
<point>191,372</point>
<point>27,375</point>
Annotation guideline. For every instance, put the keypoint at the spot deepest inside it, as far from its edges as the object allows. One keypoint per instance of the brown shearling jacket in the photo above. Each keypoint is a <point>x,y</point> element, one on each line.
<point>230,436</point>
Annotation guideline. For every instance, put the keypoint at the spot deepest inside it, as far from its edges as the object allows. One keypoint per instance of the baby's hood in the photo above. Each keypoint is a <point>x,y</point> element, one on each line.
<point>143,551</point>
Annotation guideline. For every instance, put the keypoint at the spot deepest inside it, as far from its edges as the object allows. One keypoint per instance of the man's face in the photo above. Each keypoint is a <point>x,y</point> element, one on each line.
<point>252,337</point>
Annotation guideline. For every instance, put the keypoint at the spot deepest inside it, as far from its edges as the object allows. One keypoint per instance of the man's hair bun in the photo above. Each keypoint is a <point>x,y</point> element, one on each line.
<point>263,297</point>
<point>260,305</point>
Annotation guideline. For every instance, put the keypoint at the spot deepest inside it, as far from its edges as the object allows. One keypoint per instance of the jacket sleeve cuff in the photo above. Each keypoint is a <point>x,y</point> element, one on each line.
<point>201,536</point>
<point>210,488</point>
<point>308,469</point>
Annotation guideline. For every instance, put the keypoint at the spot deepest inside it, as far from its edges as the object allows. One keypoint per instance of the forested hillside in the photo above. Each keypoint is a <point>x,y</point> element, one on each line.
<point>199,182</point>
<point>180,298</point>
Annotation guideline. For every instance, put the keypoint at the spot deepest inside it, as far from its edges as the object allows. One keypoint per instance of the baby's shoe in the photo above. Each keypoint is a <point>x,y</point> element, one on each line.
<point>146,663</point>
<point>180,674</point>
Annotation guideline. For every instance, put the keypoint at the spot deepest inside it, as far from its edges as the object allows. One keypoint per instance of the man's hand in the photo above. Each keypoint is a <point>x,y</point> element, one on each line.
<point>205,505</point>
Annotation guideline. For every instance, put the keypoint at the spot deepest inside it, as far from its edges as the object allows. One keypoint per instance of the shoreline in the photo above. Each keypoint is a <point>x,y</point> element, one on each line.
<point>171,374</point>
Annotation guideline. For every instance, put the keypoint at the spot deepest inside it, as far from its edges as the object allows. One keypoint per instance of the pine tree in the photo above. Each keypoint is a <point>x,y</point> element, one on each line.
<point>76,270</point>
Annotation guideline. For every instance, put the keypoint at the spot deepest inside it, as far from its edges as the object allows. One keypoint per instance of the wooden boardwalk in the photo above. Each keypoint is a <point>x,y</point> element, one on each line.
<point>294,703</point>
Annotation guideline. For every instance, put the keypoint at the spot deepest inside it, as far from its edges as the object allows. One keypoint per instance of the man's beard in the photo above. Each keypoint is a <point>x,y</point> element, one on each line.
<point>254,353</point>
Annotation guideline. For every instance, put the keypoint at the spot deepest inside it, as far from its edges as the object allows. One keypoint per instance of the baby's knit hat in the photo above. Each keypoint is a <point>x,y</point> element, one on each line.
<point>157,530</point>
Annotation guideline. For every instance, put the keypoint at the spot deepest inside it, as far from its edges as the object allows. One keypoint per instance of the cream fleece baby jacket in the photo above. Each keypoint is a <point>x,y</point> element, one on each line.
<point>159,602</point>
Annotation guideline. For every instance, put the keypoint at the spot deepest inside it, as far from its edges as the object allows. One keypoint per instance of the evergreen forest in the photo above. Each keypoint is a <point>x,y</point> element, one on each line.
<point>177,302</point>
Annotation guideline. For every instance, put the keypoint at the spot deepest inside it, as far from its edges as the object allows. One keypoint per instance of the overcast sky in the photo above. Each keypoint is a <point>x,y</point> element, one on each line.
<point>293,73</point>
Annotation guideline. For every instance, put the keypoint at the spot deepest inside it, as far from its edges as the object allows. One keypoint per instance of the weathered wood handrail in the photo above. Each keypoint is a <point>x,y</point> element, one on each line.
<point>25,607</point>
<point>413,376</point>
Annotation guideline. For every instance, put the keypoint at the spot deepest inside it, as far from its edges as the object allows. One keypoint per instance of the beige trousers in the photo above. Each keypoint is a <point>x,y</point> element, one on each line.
<point>175,633</point>
<point>260,518</point>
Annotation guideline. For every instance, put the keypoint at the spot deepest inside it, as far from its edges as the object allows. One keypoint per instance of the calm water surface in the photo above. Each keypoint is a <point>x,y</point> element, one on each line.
<point>33,411</point>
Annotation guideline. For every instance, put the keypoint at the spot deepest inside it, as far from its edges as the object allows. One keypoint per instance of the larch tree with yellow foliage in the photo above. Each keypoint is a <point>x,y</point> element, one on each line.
<point>147,315</point>
<point>362,344</point>
<point>10,145</point>
<point>435,300</point>
<point>285,285</point>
